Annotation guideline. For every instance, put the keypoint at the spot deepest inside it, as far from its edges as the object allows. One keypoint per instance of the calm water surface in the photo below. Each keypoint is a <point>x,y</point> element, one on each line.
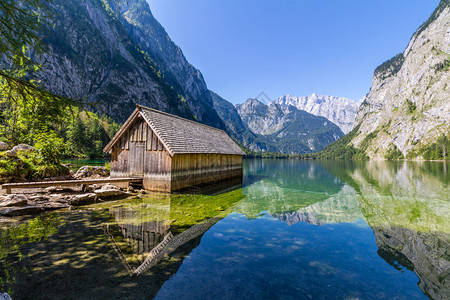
<point>293,230</point>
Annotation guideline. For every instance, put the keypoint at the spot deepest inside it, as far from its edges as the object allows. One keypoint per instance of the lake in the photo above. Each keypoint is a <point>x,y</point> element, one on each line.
<point>78,163</point>
<point>292,230</point>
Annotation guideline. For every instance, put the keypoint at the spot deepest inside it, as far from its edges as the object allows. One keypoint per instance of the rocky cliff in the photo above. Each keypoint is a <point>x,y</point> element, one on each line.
<point>289,129</point>
<point>118,61</point>
<point>408,106</point>
<point>339,110</point>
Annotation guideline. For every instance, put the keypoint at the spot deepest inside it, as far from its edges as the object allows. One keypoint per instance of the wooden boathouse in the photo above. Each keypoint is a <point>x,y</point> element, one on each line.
<point>172,153</point>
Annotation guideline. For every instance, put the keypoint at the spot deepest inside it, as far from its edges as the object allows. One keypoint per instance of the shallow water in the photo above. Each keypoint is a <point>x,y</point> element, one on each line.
<point>292,230</point>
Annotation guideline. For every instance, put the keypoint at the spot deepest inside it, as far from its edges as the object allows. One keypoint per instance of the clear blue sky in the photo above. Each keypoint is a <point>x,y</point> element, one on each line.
<point>244,47</point>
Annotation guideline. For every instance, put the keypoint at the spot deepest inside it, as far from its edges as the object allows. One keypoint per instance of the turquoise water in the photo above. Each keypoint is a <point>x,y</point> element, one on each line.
<point>293,230</point>
<point>78,163</point>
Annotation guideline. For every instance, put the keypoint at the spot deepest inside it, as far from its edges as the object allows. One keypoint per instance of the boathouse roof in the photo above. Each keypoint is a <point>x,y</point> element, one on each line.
<point>179,135</point>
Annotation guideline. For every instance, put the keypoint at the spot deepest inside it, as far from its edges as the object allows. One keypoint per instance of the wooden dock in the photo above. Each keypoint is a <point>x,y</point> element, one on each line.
<point>83,182</point>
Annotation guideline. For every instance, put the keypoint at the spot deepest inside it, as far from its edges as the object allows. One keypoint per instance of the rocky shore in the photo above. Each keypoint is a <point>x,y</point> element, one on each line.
<point>35,201</point>
<point>28,202</point>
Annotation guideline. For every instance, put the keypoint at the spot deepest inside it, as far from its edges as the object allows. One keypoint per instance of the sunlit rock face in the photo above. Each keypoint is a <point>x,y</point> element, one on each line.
<point>119,62</point>
<point>339,110</point>
<point>408,208</point>
<point>408,105</point>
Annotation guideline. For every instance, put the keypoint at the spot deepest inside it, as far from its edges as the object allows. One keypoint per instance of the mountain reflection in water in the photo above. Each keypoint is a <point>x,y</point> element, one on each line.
<point>296,229</point>
<point>406,204</point>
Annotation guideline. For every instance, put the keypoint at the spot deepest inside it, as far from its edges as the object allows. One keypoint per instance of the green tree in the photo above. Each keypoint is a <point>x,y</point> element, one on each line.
<point>76,138</point>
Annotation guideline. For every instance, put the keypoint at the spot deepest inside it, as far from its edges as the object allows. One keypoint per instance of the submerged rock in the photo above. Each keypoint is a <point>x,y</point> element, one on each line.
<point>20,211</point>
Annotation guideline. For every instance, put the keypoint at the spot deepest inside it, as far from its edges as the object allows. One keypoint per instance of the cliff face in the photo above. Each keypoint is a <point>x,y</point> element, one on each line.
<point>119,62</point>
<point>408,106</point>
<point>339,110</point>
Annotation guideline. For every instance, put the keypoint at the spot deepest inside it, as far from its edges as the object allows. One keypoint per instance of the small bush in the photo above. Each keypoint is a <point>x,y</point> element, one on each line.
<point>411,106</point>
<point>443,66</point>
<point>15,169</point>
<point>42,171</point>
<point>29,167</point>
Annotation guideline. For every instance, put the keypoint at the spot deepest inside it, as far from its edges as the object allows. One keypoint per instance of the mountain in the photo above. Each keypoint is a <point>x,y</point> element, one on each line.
<point>339,110</point>
<point>116,62</point>
<point>290,130</point>
<point>237,129</point>
<point>408,107</point>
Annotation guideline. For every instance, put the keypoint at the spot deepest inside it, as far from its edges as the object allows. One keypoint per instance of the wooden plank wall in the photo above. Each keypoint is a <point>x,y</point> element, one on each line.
<point>199,169</point>
<point>156,160</point>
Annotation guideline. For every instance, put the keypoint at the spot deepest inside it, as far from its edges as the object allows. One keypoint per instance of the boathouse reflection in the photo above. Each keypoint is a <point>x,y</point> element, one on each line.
<point>145,231</point>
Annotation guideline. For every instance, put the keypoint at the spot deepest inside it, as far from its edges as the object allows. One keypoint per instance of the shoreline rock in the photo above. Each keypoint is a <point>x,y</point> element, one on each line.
<point>5,296</point>
<point>49,199</point>
<point>3,146</point>
<point>24,148</point>
<point>91,171</point>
